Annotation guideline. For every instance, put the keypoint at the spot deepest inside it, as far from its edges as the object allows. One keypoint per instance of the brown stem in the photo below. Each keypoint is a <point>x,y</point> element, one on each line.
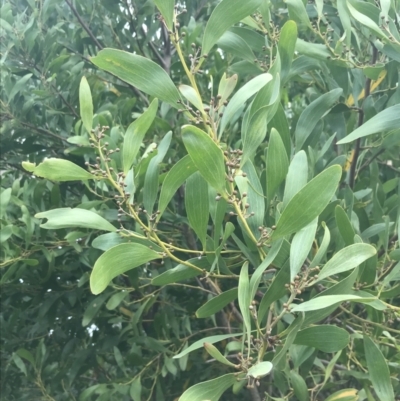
<point>84,26</point>
<point>255,395</point>
<point>367,92</point>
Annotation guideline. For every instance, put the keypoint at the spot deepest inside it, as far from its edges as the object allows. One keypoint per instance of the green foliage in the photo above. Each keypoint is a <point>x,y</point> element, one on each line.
<point>200,203</point>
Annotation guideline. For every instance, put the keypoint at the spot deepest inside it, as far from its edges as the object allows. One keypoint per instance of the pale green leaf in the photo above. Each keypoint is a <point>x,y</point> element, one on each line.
<point>386,120</point>
<point>378,371</point>
<point>226,86</point>
<point>277,164</point>
<point>346,259</point>
<point>60,170</point>
<point>210,390</point>
<point>259,370</point>
<point>326,338</point>
<point>298,13</point>
<point>197,206</point>
<point>322,248</point>
<point>178,174</point>
<point>301,246</point>
<point>286,46</point>
<point>166,8</point>
<point>140,72</point>
<point>70,218</point>
<point>206,156</point>
<point>192,96</point>
<point>116,261</point>
<point>344,225</point>
<point>244,299</point>
<point>135,133</point>
<point>86,104</point>
<point>116,299</point>
<point>200,343</point>
<point>214,352</point>
<point>216,304</point>
<point>309,202</point>
<point>313,113</point>
<point>224,15</point>
<point>241,96</point>
<point>297,176</point>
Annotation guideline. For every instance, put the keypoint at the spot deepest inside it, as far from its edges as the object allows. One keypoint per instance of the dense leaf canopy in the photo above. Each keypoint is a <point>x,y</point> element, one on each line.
<point>200,200</point>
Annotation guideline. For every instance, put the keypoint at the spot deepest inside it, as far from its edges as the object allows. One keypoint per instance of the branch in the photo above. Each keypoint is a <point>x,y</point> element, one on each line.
<point>84,26</point>
<point>361,122</point>
<point>42,131</point>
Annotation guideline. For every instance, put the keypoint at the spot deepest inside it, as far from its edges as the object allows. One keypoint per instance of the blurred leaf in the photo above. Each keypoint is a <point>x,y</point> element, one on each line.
<point>348,394</point>
<point>86,104</point>
<point>326,338</point>
<point>260,369</point>
<point>244,298</point>
<point>299,386</point>
<point>226,86</point>
<point>192,96</point>
<point>206,156</point>
<point>93,308</point>
<point>344,225</point>
<point>286,46</point>
<point>166,8</point>
<point>71,218</point>
<point>297,176</point>
<point>138,71</point>
<point>234,44</point>
<point>309,202</point>
<point>116,261</point>
<point>116,299</point>
<point>378,371</point>
<point>224,15</point>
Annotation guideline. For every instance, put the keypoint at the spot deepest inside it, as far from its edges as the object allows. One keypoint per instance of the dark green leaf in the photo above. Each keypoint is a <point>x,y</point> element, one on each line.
<point>166,8</point>
<point>215,304</point>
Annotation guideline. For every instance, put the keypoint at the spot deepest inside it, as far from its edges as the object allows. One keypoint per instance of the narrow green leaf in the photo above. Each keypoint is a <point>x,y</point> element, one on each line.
<point>60,170</point>
<point>234,44</point>
<point>281,124</point>
<point>138,71</point>
<point>86,104</point>
<point>297,176</point>
<point>214,352</point>
<point>313,113</point>
<point>166,8</point>
<point>226,86</point>
<point>5,198</point>
<point>366,21</point>
<point>344,15</point>
<point>348,394</point>
<point>197,206</point>
<point>313,50</point>
<point>386,120</point>
<point>322,248</point>
<point>150,188</point>
<point>206,156</point>
<point>326,338</point>
<point>93,308</point>
<point>241,96</point>
<point>260,370</point>
<point>346,259</point>
<point>70,218</point>
<point>116,299</point>
<point>328,300</point>
<point>299,386</point>
<point>275,291</point>
<point>378,371</point>
<point>344,225</point>
<point>216,304</point>
<point>192,96</point>
<point>298,13</point>
<point>277,164</point>
<point>256,277</point>
<point>200,343</point>
<point>309,202</point>
<point>178,174</point>
<point>210,390</point>
<point>244,298</point>
<point>181,272</point>
<point>116,261</point>
<point>224,15</point>
<point>286,46</point>
<point>301,246</point>
<point>19,363</point>
<point>135,390</point>
<point>135,133</point>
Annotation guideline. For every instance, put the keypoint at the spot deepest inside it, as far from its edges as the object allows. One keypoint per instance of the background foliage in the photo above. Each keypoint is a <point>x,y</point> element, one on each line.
<point>332,99</point>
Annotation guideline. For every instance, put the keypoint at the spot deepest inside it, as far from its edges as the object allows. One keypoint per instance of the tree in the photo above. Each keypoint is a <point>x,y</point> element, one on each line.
<point>200,200</point>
